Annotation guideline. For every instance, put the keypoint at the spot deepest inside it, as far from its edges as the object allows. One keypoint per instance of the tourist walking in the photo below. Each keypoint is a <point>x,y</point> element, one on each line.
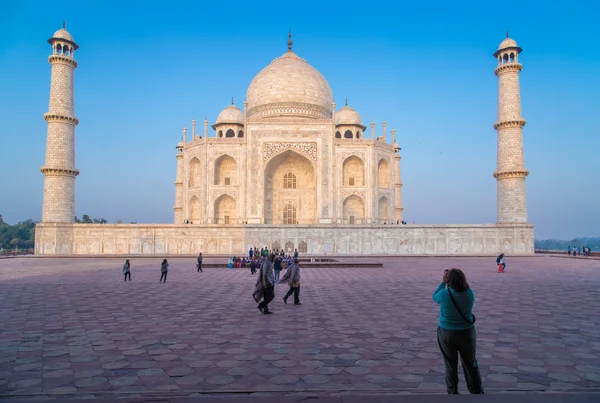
<point>569,251</point>
<point>253,266</point>
<point>456,331</point>
<point>199,263</point>
<point>250,253</point>
<point>501,262</point>
<point>265,285</point>
<point>295,253</point>
<point>127,270</point>
<point>164,269</point>
<point>292,278</point>
<point>277,267</point>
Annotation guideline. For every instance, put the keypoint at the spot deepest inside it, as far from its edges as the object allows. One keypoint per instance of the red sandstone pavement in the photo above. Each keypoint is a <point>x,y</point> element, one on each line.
<point>73,328</point>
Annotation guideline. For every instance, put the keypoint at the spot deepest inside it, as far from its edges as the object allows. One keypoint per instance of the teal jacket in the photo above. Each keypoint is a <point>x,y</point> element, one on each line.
<point>450,319</point>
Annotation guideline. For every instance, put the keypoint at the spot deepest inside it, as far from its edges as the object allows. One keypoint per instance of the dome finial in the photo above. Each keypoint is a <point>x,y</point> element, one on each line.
<point>232,101</point>
<point>507,33</point>
<point>346,101</point>
<point>64,24</point>
<point>290,40</point>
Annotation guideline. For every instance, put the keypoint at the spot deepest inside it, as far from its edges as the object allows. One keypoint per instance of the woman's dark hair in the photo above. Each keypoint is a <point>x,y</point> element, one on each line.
<point>456,279</point>
<point>127,261</point>
<point>164,261</point>
<point>501,255</point>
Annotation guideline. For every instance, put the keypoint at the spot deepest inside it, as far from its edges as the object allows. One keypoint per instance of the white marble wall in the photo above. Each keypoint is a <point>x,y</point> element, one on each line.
<point>159,239</point>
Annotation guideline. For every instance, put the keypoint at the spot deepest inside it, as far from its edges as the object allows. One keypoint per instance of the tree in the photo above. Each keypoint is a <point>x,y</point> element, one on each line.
<point>15,242</point>
<point>119,222</point>
<point>86,219</point>
<point>77,220</point>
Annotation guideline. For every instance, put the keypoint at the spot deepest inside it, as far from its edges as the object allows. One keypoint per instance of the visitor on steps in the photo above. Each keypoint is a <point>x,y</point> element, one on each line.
<point>292,278</point>
<point>253,266</point>
<point>456,331</point>
<point>127,270</point>
<point>164,269</point>
<point>266,284</point>
<point>199,263</point>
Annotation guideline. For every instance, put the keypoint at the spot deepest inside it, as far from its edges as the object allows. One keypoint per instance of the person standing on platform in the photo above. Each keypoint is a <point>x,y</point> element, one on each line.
<point>277,267</point>
<point>456,331</point>
<point>199,263</point>
<point>250,253</point>
<point>127,270</point>
<point>501,262</point>
<point>164,269</point>
<point>295,253</point>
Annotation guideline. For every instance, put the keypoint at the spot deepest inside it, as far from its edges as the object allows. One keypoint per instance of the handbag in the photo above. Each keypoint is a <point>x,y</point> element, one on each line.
<point>459,311</point>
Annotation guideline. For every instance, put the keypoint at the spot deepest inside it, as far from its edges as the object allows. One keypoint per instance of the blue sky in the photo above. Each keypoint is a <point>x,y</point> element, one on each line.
<point>146,69</point>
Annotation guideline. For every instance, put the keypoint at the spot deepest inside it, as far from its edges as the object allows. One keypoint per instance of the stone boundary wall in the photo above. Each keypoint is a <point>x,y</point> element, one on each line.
<point>52,239</point>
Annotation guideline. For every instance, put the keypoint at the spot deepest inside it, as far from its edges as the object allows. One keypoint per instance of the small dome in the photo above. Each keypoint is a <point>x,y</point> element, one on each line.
<point>508,43</point>
<point>231,114</point>
<point>63,34</point>
<point>347,116</point>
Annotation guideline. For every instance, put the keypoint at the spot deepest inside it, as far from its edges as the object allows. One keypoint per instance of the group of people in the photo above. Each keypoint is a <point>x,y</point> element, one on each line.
<point>456,333</point>
<point>577,250</point>
<point>268,276</point>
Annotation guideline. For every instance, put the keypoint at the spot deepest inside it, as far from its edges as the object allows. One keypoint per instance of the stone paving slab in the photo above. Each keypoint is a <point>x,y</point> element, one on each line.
<point>72,327</point>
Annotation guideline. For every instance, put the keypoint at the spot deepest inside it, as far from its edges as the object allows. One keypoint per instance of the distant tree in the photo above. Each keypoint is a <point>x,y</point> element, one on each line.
<point>15,242</point>
<point>102,221</point>
<point>77,220</point>
<point>1,219</point>
<point>119,222</point>
<point>86,219</point>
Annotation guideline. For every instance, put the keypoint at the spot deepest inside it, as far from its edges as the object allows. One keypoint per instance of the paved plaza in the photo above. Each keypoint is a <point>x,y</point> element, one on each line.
<point>72,327</point>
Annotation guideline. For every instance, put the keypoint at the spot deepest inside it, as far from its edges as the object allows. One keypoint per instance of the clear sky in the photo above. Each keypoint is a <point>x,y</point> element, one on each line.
<point>147,68</point>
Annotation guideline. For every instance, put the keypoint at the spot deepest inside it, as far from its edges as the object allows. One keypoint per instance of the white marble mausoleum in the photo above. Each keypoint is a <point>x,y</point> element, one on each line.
<point>287,170</point>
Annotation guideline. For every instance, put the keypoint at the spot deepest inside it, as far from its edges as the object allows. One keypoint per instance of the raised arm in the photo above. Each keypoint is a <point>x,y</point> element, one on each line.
<point>438,293</point>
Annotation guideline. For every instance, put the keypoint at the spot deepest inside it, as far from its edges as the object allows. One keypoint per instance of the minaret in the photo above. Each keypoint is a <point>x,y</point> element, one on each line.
<point>59,169</point>
<point>510,173</point>
<point>178,209</point>
<point>397,179</point>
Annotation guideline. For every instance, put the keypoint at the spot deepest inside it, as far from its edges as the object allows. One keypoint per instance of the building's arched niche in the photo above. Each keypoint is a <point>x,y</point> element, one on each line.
<point>338,135</point>
<point>225,171</point>
<point>194,210</point>
<point>354,210</point>
<point>230,133</point>
<point>225,210</point>
<point>384,210</point>
<point>354,171</point>
<point>348,134</point>
<point>302,196</point>
<point>383,173</point>
<point>194,178</point>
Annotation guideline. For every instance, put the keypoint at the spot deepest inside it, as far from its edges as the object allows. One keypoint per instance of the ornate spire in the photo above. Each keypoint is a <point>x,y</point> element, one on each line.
<point>290,41</point>
<point>507,33</point>
<point>346,101</point>
<point>232,101</point>
<point>65,24</point>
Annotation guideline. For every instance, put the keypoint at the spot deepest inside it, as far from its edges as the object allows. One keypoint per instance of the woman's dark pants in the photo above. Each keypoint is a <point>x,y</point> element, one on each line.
<point>163,275</point>
<point>296,292</point>
<point>463,342</point>
<point>127,274</point>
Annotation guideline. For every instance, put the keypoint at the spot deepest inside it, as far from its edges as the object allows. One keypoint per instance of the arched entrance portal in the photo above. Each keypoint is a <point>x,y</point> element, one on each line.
<point>290,191</point>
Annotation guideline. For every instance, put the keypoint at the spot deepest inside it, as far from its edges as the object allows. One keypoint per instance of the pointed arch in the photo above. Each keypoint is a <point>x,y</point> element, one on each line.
<point>225,170</point>
<point>194,174</point>
<point>195,210</point>
<point>348,134</point>
<point>230,133</point>
<point>225,210</point>
<point>384,210</point>
<point>338,135</point>
<point>353,210</point>
<point>353,172</point>
<point>383,173</point>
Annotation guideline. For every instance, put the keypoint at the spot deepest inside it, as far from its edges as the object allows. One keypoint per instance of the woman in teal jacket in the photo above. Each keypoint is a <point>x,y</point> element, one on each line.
<point>455,332</point>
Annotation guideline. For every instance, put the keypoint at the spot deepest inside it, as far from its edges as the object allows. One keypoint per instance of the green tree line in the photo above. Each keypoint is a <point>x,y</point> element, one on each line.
<point>22,234</point>
<point>557,244</point>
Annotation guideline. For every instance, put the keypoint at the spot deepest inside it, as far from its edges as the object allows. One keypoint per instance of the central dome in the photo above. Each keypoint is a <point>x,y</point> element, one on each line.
<point>289,87</point>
